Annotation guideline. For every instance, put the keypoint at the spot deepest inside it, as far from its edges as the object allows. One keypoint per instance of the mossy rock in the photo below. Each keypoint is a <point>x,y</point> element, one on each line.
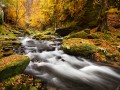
<point>93,36</point>
<point>107,37</point>
<point>78,46</point>
<point>12,65</point>
<point>7,53</point>
<point>81,34</point>
<point>41,36</point>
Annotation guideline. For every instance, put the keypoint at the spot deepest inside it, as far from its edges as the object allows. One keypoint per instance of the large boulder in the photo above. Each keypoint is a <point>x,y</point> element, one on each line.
<point>78,46</point>
<point>12,65</point>
<point>64,31</point>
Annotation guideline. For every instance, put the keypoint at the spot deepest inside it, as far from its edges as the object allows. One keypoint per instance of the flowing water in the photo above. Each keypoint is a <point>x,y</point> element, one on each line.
<point>50,63</point>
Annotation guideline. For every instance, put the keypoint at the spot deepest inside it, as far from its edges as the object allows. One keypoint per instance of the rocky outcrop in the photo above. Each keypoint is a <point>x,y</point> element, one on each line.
<point>64,31</point>
<point>12,65</point>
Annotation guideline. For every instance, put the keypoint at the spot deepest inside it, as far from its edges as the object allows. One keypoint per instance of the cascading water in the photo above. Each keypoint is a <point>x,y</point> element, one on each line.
<point>50,63</point>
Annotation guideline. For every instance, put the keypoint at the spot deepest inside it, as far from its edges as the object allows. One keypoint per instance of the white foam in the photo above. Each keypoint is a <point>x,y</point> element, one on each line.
<point>62,70</point>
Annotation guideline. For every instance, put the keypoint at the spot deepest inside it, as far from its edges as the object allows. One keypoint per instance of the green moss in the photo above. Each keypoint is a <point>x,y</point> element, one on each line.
<point>33,88</point>
<point>7,53</point>
<point>78,46</point>
<point>107,37</point>
<point>12,65</point>
<point>49,31</point>
<point>69,24</point>
<point>41,36</point>
<point>118,36</point>
<point>93,36</point>
<point>81,34</point>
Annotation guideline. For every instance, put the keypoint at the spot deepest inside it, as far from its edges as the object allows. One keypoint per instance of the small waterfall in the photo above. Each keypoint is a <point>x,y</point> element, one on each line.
<point>50,63</point>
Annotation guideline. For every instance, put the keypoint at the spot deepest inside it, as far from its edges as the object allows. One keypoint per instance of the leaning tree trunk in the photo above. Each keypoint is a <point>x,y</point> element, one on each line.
<point>1,12</point>
<point>102,21</point>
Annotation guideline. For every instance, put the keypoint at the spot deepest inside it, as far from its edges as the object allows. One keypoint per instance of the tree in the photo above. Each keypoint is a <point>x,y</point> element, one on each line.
<point>102,18</point>
<point>15,12</point>
<point>104,7</point>
<point>1,12</point>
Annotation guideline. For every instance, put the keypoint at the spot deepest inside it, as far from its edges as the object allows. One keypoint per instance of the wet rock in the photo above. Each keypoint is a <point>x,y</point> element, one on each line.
<point>30,43</point>
<point>36,58</point>
<point>58,57</point>
<point>43,46</point>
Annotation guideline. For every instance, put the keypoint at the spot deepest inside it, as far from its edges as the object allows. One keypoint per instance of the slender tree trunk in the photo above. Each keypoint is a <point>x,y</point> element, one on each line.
<point>102,21</point>
<point>55,15</point>
<point>16,14</point>
<point>28,11</point>
<point>2,12</point>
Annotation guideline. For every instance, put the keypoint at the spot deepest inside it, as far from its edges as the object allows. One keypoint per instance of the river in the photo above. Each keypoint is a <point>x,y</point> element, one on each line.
<point>50,63</point>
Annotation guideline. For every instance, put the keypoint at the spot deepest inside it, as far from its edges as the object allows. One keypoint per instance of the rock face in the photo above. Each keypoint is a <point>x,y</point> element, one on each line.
<point>64,31</point>
<point>12,65</point>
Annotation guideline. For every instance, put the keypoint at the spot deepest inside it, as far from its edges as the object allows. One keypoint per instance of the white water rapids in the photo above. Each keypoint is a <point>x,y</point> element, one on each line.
<point>50,63</point>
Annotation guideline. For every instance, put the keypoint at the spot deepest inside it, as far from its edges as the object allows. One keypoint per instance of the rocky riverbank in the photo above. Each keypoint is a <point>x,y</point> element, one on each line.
<point>100,47</point>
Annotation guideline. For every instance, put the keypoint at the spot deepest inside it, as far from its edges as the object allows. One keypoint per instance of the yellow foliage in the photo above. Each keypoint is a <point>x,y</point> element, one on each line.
<point>16,11</point>
<point>42,12</point>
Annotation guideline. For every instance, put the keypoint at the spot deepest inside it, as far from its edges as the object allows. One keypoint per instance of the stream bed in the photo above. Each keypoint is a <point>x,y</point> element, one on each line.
<point>50,63</point>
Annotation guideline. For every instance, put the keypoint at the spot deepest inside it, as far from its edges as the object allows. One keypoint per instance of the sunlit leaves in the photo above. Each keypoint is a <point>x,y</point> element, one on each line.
<point>43,12</point>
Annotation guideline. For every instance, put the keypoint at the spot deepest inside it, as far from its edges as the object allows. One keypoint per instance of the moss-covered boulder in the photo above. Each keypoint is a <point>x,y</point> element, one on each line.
<point>41,36</point>
<point>8,46</point>
<point>12,65</point>
<point>81,34</point>
<point>78,46</point>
